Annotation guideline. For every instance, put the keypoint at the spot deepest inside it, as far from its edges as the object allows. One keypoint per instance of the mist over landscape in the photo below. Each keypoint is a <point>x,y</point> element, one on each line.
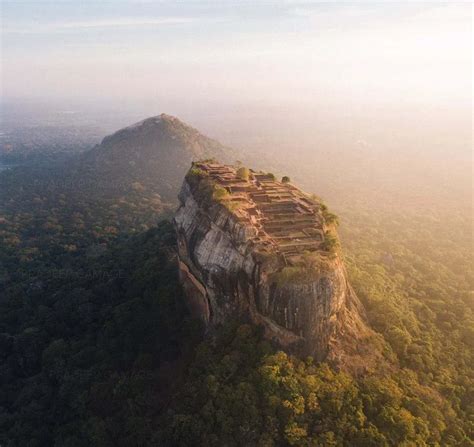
<point>236,224</point>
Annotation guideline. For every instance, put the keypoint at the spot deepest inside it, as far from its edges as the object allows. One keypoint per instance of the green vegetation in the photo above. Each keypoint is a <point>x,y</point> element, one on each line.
<point>285,179</point>
<point>317,260</point>
<point>197,172</point>
<point>208,191</point>
<point>271,175</point>
<point>89,347</point>
<point>243,173</point>
<point>219,193</point>
<point>329,218</point>
<point>416,289</point>
<point>97,348</point>
<point>292,274</point>
<point>241,392</point>
<point>311,265</point>
<point>45,212</point>
<point>208,160</point>
<point>204,188</point>
<point>231,205</point>
<point>330,242</point>
<point>195,175</point>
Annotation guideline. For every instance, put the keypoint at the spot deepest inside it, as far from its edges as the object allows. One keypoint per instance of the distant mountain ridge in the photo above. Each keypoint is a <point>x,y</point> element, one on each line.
<point>155,151</point>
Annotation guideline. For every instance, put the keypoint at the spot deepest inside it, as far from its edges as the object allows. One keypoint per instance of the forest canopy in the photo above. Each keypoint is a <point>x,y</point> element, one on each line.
<point>97,347</point>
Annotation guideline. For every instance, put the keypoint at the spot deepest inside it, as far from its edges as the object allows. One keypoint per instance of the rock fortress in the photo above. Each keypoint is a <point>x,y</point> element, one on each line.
<point>253,247</point>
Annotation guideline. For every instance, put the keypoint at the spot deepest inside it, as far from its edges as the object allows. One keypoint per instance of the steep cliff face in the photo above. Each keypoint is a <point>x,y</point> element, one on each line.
<point>250,246</point>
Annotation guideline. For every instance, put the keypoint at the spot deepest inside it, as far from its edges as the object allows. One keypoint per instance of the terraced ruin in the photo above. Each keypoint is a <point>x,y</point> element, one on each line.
<point>287,220</point>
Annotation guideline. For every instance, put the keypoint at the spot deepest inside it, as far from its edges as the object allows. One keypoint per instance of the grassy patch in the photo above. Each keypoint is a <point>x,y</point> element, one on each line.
<point>330,243</point>
<point>292,274</point>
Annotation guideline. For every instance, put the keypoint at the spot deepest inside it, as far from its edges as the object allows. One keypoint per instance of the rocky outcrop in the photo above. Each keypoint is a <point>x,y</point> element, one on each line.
<point>237,261</point>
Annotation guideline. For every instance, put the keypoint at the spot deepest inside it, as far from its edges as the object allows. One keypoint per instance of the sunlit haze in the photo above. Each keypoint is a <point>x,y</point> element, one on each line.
<point>236,223</point>
<point>381,92</point>
<point>238,51</point>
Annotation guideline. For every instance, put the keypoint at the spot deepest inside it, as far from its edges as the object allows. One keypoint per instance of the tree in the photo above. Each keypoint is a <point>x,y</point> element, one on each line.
<point>243,173</point>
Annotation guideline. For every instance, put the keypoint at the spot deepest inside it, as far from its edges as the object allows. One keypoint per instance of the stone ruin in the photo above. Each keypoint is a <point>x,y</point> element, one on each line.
<point>287,221</point>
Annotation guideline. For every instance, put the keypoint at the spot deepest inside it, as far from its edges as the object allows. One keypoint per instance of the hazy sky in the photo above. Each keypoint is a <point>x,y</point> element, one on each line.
<point>238,50</point>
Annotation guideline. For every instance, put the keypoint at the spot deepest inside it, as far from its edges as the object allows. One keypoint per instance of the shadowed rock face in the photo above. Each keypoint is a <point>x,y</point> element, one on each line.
<point>239,257</point>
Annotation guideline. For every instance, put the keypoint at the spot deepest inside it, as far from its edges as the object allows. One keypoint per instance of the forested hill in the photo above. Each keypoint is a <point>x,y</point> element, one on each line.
<point>155,152</point>
<point>98,350</point>
<point>122,186</point>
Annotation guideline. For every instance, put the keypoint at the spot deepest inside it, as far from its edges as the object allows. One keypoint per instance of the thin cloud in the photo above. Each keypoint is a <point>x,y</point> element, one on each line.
<point>118,23</point>
<point>100,24</point>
